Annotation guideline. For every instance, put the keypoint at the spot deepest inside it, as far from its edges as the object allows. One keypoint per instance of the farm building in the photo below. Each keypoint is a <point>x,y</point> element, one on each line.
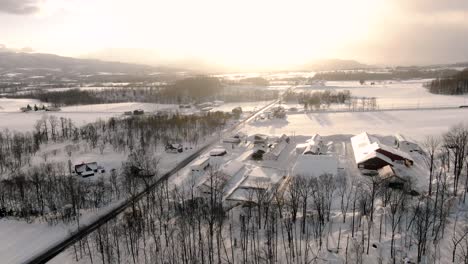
<point>218,152</point>
<point>86,169</point>
<point>373,161</point>
<point>313,146</point>
<point>370,154</point>
<point>174,148</point>
<point>276,149</point>
<point>256,184</point>
<point>200,165</point>
<point>218,179</point>
<point>315,165</point>
<point>259,139</point>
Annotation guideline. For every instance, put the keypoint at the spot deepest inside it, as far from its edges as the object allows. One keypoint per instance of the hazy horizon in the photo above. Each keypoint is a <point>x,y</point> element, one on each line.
<point>260,35</point>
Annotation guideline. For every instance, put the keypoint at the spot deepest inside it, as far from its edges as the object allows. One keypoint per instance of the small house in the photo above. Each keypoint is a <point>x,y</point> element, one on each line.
<point>218,152</point>
<point>86,169</point>
<point>174,148</point>
<point>200,165</point>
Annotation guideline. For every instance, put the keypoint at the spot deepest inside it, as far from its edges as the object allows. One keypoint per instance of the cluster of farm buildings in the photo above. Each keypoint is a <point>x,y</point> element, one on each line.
<point>246,166</point>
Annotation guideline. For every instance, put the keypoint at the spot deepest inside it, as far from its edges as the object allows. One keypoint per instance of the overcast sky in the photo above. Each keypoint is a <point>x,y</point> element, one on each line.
<point>251,33</point>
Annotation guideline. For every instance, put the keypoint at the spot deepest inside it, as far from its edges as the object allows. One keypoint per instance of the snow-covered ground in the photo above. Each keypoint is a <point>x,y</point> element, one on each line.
<point>415,123</point>
<point>12,118</point>
<point>393,94</point>
<point>35,237</point>
<point>14,105</point>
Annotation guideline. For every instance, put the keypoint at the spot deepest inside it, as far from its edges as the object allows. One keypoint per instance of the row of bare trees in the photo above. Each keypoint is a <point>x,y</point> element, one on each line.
<point>29,191</point>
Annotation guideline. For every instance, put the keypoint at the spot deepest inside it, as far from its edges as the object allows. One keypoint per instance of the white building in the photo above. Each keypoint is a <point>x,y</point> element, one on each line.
<point>199,166</point>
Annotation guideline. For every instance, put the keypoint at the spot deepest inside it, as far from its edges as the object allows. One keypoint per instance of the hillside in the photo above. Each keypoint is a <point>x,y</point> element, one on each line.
<point>19,60</point>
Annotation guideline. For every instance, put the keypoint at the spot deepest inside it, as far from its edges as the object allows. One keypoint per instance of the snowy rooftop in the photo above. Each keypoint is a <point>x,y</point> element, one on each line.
<point>364,146</point>
<point>200,161</point>
<point>278,148</point>
<point>315,165</point>
<point>232,168</point>
<point>217,152</point>
<point>260,177</point>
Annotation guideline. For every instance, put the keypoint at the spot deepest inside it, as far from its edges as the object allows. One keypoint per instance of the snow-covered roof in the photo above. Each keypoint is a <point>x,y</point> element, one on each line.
<point>278,148</point>
<point>216,161</point>
<point>315,165</point>
<point>218,152</point>
<point>400,137</point>
<point>244,195</point>
<point>256,182</point>
<point>302,146</point>
<point>91,166</point>
<point>365,145</point>
<point>261,177</point>
<point>316,138</point>
<point>232,168</point>
<point>372,155</point>
<point>200,162</point>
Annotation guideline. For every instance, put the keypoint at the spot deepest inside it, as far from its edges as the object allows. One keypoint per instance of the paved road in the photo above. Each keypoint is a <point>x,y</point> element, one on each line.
<point>84,230</point>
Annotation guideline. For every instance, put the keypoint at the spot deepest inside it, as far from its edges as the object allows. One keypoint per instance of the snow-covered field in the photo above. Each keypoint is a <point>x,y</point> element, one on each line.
<point>415,123</point>
<point>393,94</point>
<point>12,118</point>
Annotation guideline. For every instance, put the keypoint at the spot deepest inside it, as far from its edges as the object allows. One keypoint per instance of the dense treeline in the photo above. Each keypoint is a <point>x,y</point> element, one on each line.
<point>194,88</point>
<point>324,99</point>
<point>259,81</point>
<point>190,90</point>
<point>375,76</point>
<point>457,84</point>
<point>25,188</point>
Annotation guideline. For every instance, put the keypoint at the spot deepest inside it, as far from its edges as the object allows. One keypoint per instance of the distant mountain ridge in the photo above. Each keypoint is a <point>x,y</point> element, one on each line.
<point>11,61</point>
<point>334,65</point>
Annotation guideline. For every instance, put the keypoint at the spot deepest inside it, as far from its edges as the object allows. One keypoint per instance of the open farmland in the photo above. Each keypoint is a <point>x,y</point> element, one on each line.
<point>392,94</point>
<point>414,123</point>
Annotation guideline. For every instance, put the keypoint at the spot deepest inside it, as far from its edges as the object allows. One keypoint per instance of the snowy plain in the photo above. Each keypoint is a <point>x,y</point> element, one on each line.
<point>392,94</point>
<point>415,124</point>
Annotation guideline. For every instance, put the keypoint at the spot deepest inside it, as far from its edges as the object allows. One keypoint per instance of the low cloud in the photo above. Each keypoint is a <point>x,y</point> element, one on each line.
<point>19,7</point>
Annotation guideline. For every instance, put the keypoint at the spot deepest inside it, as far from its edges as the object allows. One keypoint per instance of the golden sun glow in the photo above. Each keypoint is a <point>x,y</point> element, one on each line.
<point>245,33</point>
